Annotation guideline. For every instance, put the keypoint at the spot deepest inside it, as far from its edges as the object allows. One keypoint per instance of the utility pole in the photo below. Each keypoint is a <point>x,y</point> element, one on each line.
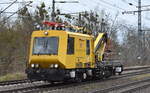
<point>53,11</point>
<point>139,18</point>
<point>141,40</point>
<point>102,25</point>
<point>140,34</point>
<point>79,19</point>
<point>53,7</point>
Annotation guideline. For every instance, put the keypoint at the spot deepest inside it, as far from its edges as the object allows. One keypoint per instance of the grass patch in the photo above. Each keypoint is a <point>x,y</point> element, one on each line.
<point>139,77</point>
<point>13,76</point>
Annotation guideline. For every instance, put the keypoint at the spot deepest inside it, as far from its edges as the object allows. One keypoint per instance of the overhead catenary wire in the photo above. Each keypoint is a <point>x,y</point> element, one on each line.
<point>16,12</point>
<point>102,2</point>
<point>134,12</point>
<point>131,4</point>
<point>7,12</point>
<point>15,2</point>
<point>113,5</point>
<point>135,1</point>
<point>8,6</point>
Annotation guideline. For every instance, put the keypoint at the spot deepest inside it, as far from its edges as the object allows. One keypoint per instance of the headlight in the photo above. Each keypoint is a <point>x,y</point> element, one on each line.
<point>56,65</point>
<point>52,65</point>
<point>36,65</point>
<point>32,65</point>
<point>46,33</point>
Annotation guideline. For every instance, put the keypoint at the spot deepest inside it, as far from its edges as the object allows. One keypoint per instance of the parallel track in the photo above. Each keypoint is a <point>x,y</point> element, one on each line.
<point>50,87</point>
<point>139,88</point>
<point>126,88</point>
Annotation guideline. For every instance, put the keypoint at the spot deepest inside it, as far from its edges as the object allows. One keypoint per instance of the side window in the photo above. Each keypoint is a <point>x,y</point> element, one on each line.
<point>87,47</point>
<point>70,47</point>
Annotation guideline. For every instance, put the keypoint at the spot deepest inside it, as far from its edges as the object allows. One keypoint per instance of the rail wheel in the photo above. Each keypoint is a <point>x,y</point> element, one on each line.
<point>78,79</point>
<point>119,73</point>
<point>84,76</point>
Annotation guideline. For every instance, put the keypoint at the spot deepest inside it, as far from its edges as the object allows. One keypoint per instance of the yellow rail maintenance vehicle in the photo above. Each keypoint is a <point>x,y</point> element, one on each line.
<point>60,55</point>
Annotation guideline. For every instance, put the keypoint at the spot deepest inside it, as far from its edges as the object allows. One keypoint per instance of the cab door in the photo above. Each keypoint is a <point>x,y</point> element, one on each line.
<point>70,59</point>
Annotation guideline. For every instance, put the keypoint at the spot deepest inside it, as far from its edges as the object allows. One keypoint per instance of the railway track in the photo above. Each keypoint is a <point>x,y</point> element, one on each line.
<point>138,88</point>
<point>39,86</point>
<point>27,81</point>
<point>127,88</point>
<point>136,68</point>
<point>14,82</point>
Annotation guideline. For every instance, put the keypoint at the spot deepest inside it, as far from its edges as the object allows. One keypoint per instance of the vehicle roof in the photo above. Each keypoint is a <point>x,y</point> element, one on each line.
<point>78,34</point>
<point>62,31</point>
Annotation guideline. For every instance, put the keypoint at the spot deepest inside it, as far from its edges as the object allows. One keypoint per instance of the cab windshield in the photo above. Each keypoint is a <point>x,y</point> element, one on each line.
<point>45,46</point>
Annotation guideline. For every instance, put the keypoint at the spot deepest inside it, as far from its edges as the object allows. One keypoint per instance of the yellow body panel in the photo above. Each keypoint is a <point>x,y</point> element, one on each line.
<point>77,60</point>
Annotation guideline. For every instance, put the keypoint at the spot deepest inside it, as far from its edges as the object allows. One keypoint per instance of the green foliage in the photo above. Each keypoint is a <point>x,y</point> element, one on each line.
<point>12,49</point>
<point>13,76</point>
<point>91,21</point>
<point>41,14</point>
<point>30,21</point>
<point>15,39</point>
<point>68,16</point>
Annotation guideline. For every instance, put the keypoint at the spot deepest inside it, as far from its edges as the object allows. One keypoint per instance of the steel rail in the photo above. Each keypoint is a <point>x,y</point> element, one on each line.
<point>137,88</point>
<point>119,87</point>
<point>14,82</point>
<point>51,87</point>
<point>27,80</point>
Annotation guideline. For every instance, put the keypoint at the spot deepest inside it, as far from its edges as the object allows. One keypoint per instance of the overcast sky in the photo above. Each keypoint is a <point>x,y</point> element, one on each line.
<point>110,6</point>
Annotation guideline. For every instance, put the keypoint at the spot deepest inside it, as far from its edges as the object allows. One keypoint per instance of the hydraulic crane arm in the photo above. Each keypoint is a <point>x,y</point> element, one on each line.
<point>99,45</point>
